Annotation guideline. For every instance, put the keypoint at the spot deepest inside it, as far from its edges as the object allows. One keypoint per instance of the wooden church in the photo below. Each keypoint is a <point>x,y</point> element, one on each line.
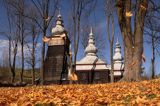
<point>90,69</point>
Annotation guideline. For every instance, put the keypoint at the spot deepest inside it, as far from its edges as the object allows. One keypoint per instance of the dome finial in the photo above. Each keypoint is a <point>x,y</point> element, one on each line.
<point>117,40</point>
<point>117,43</point>
<point>91,31</point>
<point>59,13</point>
<point>117,56</point>
<point>59,28</point>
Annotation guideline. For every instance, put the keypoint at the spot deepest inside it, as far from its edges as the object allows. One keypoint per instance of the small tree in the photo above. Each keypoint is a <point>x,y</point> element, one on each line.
<point>33,34</point>
<point>152,31</point>
<point>12,35</point>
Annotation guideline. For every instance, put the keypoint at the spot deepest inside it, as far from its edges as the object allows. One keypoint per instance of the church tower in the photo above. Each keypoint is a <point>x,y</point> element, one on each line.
<point>118,62</point>
<point>57,53</point>
<point>91,69</point>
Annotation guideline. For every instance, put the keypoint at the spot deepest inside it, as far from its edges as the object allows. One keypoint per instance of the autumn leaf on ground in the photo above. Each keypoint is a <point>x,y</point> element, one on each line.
<point>121,93</point>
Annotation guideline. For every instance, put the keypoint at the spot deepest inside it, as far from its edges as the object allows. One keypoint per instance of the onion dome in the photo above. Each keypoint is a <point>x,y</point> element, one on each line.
<point>91,48</point>
<point>59,28</point>
<point>91,53</point>
<point>117,56</point>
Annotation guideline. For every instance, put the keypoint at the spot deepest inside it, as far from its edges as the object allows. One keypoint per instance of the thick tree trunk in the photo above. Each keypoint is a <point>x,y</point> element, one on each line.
<point>133,60</point>
<point>132,64</point>
<point>133,41</point>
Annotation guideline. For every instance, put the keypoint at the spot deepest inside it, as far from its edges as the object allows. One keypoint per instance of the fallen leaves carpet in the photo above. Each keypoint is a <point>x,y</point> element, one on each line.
<point>116,94</point>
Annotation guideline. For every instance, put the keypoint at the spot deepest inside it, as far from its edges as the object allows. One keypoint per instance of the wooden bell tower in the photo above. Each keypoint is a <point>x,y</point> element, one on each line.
<point>56,66</point>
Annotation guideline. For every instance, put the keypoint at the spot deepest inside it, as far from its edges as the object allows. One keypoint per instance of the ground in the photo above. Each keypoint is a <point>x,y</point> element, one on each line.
<point>122,93</point>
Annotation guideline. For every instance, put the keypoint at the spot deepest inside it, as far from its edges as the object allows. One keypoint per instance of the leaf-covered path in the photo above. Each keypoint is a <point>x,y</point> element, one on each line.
<point>134,93</point>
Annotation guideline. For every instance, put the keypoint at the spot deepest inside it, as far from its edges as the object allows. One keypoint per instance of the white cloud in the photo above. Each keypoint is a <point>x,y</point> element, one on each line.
<point>4,44</point>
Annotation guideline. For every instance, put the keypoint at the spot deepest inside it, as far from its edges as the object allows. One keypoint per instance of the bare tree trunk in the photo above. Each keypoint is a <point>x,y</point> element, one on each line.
<point>22,46</point>
<point>33,74</point>
<point>10,63</point>
<point>153,58</point>
<point>14,62</point>
<point>18,7</point>
<point>33,55</point>
<point>14,19</point>
<point>74,35</point>
<point>44,10</point>
<point>22,19</point>
<point>43,47</point>
<point>77,41</point>
<point>45,13</point>
<point>112,64</point>
<point>111,40</point>
<point>42,61</point>
<point>13,75</point>
<point>33,65</point>
<point>110,19</point>
<point>10,38</point>
<point>22,51</point>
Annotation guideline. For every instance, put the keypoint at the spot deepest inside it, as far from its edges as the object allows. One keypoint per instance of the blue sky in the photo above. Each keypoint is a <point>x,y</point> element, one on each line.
<point>98,21</point>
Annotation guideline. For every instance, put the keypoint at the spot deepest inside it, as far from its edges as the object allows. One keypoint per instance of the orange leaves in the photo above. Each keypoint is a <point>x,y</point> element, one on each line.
<point>143,7</point>
<point>141,99</point>
<point>129,14</point>
<point>73,77</point>
<point>134,93</point>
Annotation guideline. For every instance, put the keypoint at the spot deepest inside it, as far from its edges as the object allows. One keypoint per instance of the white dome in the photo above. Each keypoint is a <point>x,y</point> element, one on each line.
<point>117,56</point>
<point>91,48</point>
<point>118,59</point>
<point>59,28</point>
<point>91,53</point>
